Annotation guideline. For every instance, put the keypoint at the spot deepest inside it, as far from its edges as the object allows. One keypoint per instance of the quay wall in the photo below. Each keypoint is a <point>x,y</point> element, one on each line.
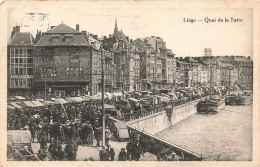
<point>159,121</point>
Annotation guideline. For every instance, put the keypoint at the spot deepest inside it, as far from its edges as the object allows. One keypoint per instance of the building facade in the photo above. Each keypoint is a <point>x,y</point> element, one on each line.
<point>62,63</point>
<point>20,64</point>
<point>240,71</point>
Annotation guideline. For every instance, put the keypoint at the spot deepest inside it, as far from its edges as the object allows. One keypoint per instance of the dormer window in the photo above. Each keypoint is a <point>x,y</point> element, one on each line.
<point>68,37</point>
<point>55,37</point>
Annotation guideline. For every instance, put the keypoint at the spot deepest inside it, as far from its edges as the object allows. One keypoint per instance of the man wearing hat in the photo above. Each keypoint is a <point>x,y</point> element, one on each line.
<point>111,152</point>
<point>43,140</point>
<point>71,155</point>
<point>98,136</point>
<point>122,155</point>
<point>84,134</point>
<point>103,154</point>
<point>60,133</point>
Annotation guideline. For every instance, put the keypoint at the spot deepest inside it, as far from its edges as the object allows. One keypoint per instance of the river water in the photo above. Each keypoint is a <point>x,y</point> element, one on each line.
<point>225,136</point>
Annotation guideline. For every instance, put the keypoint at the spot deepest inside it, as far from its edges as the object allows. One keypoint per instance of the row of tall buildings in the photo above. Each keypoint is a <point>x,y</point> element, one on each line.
<point>68,62</point>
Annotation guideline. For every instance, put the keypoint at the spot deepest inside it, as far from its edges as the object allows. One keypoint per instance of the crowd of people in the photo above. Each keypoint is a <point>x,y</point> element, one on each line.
<point>73,124</point>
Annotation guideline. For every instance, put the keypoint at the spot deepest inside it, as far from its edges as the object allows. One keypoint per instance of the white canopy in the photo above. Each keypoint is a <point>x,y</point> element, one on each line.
<point>19,97</point>
<point>37,103</point>
<point>59,100</point>
<point>30,104</point>
<point>15,105</point>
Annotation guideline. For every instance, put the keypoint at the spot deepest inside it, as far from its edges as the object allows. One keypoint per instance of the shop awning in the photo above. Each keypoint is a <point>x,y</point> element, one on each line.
<point>163,98</point>
<point>15,105</point>
<point>19,97</point>
<point>9,107</point>
<point>37,103</point>
<point>75,99</point>
<point>96,98</point>
<point>59,100</point>
<point>134,100</point>
<point>118,93</point>
<point>49,102</point>
<point>109,95</point>
<point>29,103</point>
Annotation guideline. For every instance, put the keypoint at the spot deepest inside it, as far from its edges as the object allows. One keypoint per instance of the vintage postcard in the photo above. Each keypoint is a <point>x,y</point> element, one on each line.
<point>130,83</point>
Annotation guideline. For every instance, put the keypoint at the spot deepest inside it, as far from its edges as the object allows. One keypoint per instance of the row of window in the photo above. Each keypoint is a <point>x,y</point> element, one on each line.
<point>49,71</point>
<point>21,83</point>
<point>21,51</point>
<point>47,59</point>
<point>74,71</point>
<point>21,71</point>
<point>59,93</point>
<point>57,39</point>
<point>21,60</point>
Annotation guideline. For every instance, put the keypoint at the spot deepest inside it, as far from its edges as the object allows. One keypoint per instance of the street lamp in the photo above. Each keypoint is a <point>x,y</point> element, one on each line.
<point>103,91</point>
<point>122,50</point>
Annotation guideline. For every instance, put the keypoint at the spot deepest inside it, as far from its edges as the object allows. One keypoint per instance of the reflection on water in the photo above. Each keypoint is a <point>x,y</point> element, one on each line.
<point>225,136</point>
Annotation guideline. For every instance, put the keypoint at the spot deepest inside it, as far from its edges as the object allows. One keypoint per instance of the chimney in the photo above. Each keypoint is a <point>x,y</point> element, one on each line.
<point>105,37</point>
<point>152,36</point>
<point>131,40</point>
<point>156,46</point>
<point>15,30</point>
<point>77,27</point>
<point>84,33</point>
<point>249,57</point>
<point>110,35</point>
<point>95,37</point>
<point>127,37</point>
<point>52,27</point>
<point>90,34</point>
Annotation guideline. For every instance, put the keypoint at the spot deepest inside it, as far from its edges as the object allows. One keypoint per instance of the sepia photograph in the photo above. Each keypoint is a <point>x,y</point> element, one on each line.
<point>129,81</point>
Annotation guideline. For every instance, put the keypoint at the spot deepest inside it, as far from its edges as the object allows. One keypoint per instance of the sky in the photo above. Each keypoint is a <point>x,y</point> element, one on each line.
<point>144,19</point>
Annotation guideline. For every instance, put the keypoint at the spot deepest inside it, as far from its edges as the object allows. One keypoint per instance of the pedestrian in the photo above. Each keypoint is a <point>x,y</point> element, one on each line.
<point>53,149</point>
<point>173,157</point>
<point>107,135</point>
<point>129,148</point>
<point>38,131</point>
<point>33,130</point>
<point>60,153</point>
<point>98,136</point>
<point>136,151</point>
<point>43,140</point>
<point>60,134</point>
<point>90,139</point>
<point>103,154</point>
<point>71,155</point>
<point>111,152</point>
<point>40,154</point>
<point>122,155</point>
<point>84,134</point>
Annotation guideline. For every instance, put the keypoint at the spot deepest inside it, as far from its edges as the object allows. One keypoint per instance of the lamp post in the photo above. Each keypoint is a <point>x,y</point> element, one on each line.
<point>122,50</point>
<point>103,91</point>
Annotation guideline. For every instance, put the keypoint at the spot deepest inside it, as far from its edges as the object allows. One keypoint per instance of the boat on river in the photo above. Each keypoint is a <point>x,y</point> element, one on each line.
<point>211,105</point>
<point>244,99</point>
